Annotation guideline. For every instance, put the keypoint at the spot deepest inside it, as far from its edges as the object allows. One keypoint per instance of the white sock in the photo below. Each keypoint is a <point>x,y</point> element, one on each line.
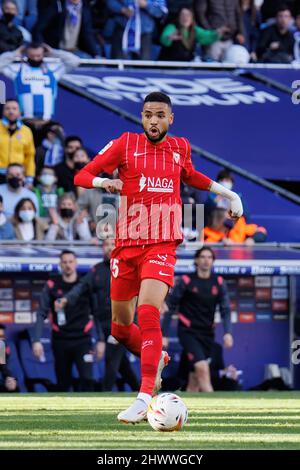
<point>145,397</point>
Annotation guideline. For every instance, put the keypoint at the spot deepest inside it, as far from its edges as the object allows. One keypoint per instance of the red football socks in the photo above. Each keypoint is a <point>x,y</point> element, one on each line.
<point>149,321</point>
<point>130,336</point>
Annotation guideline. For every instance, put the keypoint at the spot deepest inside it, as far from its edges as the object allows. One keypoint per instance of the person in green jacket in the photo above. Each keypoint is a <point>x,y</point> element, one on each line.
<point>179,40</point>
<point>48,193</point>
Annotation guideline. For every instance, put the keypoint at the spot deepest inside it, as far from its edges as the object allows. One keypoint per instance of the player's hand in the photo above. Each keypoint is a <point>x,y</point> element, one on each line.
<point>112,186</point>
<point>38,349</point>
<point>236,207</point>
<point>164,308</point>
<point>59,304</point>
<point>10,384</point>
<point>100,350</point>
<point>165,343</point>
<point>228,341</point>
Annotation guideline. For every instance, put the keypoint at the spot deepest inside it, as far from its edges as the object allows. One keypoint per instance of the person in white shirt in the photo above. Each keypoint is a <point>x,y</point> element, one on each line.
<point>26,224</point>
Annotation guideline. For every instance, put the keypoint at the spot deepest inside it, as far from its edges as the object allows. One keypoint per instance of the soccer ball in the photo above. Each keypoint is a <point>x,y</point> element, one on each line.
<point>167,412</point>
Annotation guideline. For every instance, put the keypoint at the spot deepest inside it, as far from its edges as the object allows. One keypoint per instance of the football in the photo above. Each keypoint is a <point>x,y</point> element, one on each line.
<point>167,412</point>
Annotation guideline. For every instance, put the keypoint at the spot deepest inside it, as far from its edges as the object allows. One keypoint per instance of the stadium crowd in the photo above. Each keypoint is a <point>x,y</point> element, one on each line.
<point>182,30</point>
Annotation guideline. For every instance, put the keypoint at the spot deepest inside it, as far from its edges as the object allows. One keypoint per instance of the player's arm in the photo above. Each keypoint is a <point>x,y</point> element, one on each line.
<point>198,180</point>
<point>107,160</point>
<point>41,315</point>
<point>225,314</point>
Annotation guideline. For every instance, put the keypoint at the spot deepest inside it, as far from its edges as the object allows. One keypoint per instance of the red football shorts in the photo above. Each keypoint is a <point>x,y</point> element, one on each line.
<point>130,265</point>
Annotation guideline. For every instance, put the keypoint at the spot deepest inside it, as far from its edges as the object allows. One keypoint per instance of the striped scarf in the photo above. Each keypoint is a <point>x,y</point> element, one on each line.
<point>131,41</point>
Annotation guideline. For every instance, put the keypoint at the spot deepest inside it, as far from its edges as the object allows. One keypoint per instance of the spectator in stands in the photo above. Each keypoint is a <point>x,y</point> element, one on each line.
<point>71,327</point>
<point>10,36</point>
<point>92,199</point>
<point>35,80</point>
<point>6,229</point>
<point>251,21</point>
<point>297,39</point>
<point>226,179</point>
<point>196,297</point>
<point>223,229</point>
<point>27,13</point>
<point>51,150</point>
<point>65,171</point>
<point>175,6</point>
<point>126,36</point>
<point>80,159</point>
<point>68,25</point>
<point>26,224</point>
<point>16,142</point>
<point>269,9</point>
<point>47,193</point>
<point>8,382</point>
<point>97,283</point>
<point>70,225</point>
<point>179,39</point>
<point>276,43</point>
<point>13,190</point>
<point>214,14</point>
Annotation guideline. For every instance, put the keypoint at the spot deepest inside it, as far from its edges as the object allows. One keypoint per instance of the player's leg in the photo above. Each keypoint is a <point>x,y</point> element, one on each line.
<point>192,385</point>
<point>202,374</point>
<point>151,297</point>
<point>123,329</point>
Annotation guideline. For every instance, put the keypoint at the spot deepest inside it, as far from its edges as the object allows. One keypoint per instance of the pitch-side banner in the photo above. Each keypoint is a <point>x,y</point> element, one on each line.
<point>241,120</point>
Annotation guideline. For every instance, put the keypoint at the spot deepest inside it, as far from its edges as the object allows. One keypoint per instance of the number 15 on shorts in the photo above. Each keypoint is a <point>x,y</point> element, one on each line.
<point>114,267</point>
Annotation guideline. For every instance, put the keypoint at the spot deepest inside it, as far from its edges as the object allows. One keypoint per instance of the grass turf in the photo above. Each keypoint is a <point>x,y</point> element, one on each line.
<point>219,421</point>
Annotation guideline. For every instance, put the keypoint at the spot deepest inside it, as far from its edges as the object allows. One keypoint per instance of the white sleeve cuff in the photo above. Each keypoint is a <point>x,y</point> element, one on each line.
<point>98,182</point>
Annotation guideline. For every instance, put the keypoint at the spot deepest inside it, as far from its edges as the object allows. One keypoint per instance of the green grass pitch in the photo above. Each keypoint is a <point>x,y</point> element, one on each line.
<point>269,420</point>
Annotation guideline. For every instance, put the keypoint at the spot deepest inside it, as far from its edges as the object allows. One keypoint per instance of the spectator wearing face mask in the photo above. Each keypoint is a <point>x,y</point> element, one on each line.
<point>65,171</point>
<point>10,36</point>
<point>71,225</point>
<point>16,142</point>
<point>48,193</point>
<point>6,229</point>
<point>13,190</point>
<point>213,201</point>
<point>80,159</point>
<point>26,224</point>
<point>50,152</point>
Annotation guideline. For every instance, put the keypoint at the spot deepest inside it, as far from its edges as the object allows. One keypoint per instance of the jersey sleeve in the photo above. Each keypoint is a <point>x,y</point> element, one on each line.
<point>190,176</point>
<point>107,160</point>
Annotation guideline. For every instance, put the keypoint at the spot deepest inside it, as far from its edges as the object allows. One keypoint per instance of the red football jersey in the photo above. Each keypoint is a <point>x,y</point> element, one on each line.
<point>150,203</point>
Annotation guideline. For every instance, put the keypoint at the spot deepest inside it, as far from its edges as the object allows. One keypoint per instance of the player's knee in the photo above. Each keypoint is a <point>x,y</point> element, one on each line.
<point>202,369</point>
<point>148,317</point>
<point>120,332</point>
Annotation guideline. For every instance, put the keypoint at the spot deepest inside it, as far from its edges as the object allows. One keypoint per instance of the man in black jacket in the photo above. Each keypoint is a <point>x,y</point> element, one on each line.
<point>10,36</point>
<point>276,43</point>
<point>67,25</point>
<point>71,327</point>
<point>97,283</point>
<point>196,297</point>
<point>8,382</point>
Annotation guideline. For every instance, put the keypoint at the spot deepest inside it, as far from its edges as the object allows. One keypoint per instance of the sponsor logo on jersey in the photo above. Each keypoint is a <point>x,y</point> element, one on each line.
<point>107,146</point>
<point>156,184</point>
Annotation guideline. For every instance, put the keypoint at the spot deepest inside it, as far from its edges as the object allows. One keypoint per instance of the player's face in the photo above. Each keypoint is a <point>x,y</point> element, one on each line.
<point>205,261</point>
<point>108,246</point>
<point>156,119</point>
<point>68,264</point>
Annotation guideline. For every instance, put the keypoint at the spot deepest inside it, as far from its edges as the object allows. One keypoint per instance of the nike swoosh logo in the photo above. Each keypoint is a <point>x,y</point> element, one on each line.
<point>163,274</point>
<point>138,154</point>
